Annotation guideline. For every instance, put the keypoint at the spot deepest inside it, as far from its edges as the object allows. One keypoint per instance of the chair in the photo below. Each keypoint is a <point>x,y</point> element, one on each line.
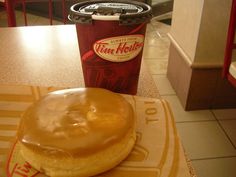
<point>11,4</point>
<point>229,70</point>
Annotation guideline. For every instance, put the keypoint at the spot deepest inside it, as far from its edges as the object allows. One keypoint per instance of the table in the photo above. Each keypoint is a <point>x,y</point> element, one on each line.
<point>48,56</point>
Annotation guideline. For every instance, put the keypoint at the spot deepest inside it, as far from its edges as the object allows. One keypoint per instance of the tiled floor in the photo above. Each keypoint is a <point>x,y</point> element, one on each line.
<point>31,19</point>
<point>208,136</point>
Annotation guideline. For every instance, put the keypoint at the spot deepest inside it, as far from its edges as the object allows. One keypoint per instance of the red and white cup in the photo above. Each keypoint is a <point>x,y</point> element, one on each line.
<point>111,40</point>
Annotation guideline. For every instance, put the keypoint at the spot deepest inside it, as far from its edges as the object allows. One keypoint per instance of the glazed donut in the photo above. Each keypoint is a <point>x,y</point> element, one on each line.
<point>77,132</point>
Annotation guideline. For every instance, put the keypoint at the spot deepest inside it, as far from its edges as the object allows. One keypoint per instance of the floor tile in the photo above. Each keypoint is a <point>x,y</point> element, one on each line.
<point>157,66</point>
<point>159,1</point>
<point>3,22</point>
<point>3,14</point>
<point>31,19</point>
<point>162,17</point>
<point>155,52</point>
<point>230,128</point>
<point>149,28</point>
<point>157,35</point>
<point>57,22</point>
<point>42,21</point>
<point>152,39</point>
<point>187,116</point>
<point>221,167</point>
<point>163,85</point>
<point>162,29</point>
<point>223,114</point>
<point>46,21</point>
<point>152,34</point>
<point>3,19</point>
<point>205,140</point>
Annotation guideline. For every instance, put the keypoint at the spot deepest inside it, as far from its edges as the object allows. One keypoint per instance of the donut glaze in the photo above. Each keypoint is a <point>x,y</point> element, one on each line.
<point>76,122</point>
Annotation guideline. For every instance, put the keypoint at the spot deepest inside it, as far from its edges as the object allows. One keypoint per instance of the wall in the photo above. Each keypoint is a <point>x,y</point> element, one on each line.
<point>185,25</point>
<point>198,39</point>
<point>213,33</point>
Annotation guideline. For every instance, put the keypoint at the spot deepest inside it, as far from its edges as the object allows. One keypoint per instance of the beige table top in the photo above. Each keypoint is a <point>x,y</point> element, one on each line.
<point>49,56</point>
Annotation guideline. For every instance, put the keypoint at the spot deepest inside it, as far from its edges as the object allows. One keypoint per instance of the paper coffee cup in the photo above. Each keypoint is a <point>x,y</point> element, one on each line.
<point>111,40</point>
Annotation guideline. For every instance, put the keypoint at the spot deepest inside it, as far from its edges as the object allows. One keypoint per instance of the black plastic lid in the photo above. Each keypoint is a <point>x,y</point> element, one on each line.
<point>126,12</point>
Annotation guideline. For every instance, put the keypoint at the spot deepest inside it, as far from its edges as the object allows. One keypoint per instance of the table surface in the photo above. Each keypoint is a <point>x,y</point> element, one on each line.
<point>49,56</point>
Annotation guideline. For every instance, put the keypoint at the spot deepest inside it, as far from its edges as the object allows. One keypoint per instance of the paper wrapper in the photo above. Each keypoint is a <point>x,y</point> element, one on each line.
<point>157,152</point>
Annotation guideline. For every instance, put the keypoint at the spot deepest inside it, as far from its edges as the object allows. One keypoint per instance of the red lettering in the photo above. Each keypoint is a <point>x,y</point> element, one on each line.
<point>21,174</point>
<point>117,47</point>
<point>27,167</point>
<point>22,170</point>
<point>126,49</point>
<point>120,48</point>
<point>123,48</point>
<point>102,48</point>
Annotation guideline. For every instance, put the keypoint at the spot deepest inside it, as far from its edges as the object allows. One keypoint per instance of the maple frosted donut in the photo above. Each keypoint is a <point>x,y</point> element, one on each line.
<point>77,132</point>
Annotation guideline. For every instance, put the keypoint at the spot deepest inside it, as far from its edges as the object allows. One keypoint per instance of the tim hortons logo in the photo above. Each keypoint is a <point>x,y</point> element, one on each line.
<point>120,48</point>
